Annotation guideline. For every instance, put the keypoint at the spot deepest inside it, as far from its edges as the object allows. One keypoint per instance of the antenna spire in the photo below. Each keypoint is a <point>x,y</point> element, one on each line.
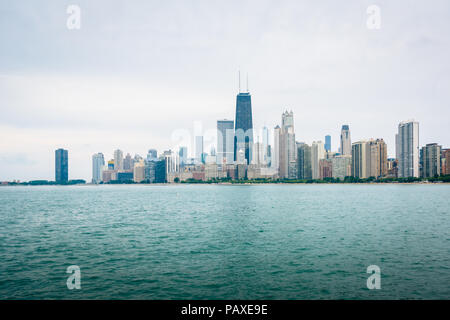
<point>247,83</point>
<point>239,80</point>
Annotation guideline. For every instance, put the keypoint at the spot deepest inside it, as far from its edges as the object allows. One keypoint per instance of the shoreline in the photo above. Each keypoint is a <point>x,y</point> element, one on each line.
<point>227,184</point>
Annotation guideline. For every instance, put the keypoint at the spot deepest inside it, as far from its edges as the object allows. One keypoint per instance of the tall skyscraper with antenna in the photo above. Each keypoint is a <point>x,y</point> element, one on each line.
<point>243,134</point>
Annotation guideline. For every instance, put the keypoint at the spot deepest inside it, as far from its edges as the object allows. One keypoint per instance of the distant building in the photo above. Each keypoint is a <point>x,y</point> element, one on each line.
<point>98,164</point>
<point>225,141</point>
<point>361,159</point>
<point>266,146</point>
<point>430,160</point>
<point>160,171</point>
<point>243,134</point>
<point>342,166</point>
<point>118,160</point>
<point>445,162</point>
<point>139,171</point>
<point>111,164</point>
<point>152,155</point>
<point>327,143</point>
<point>317,153</point>
<point>407,149</point>
<point>304,161</point>
<point>172,161</point>
<point>288,150</point>
<point>275,158</point>
<point>182,153</point>
<point>199,149</point>
<point>123,176</point>
<point>392,168</point>
<point>61,166</point>
<point>128,162</point>
<point>346,141</point>
<point>258,154</point>
<point>325,169</point>
<point>378,158</point>
<point>108,175</point>
<point>369,159</point>
<point>150,170</point>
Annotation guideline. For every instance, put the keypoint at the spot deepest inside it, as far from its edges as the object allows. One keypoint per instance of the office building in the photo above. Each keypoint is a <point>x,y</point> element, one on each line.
<point>118,160</point>
<point>98,164</point>
<point>61,166</point>
<point>346,141</point>
<point>342,166</point>
<point>407,149</point>
<point>199,149</point>
<point>317,153</point>
<point>304,161</point>
<point>152,155</point>
<point>430,160</point>
<point>243,135</point>
<point>139,171</point>
<point>361,154</point>
<point>225,141</point>
<point>445,162</point>
<point>275,157</point>
<point>288,150</point>
<point>327,143</point>
<point>182,153</point>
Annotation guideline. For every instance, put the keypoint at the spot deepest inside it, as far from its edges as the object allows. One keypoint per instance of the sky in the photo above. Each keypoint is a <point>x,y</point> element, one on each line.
<point>153,74</point>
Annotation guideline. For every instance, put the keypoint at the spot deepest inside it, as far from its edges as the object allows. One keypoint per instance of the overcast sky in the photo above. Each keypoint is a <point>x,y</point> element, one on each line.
<point>138,74</point>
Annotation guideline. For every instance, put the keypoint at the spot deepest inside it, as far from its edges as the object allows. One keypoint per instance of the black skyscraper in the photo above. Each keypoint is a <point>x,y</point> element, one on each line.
<point>61,166</point>
<point>243,138</point>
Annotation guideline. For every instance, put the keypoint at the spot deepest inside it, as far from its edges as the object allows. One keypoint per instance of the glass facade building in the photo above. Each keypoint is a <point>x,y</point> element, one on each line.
<point>61,166</point>
<point>243,135</point>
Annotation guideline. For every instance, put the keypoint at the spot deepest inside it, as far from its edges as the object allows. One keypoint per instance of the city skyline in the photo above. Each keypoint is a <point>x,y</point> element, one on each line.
<point>98,89</point>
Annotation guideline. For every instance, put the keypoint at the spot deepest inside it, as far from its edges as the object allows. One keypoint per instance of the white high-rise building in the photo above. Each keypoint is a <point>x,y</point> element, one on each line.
<point>407,149</point>
<point>118,160</point>
<point>258,154</point>
<point>265,144</point>
<point>346,141</point>
<point>275,160</point>
<point>98,164</point>
<point>288,149</point>
<point>317,153</point>
<point>172,161</point>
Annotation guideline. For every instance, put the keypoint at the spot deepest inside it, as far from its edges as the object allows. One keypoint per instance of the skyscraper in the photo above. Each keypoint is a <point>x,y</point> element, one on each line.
<point>225,139</point>
<point>361,159</point>
<point>327,143</point>
<point>288,151</point>
<point>128,162</point>
<point>98,163</point>
<point>152,155</point>
<point>317,153</point>
<point>275,157</point>
<point>266,147</point>
<point>430,160</point>
<point>182,153</point>
<point>118,160</point>
<point>378,158</point>
<point>199,149</point>
<point>346,141</point>
<point>445,162</point>
<point>243,135</point>
<point>304,161</point>
<point>61,166</point>
<point>407,149</point>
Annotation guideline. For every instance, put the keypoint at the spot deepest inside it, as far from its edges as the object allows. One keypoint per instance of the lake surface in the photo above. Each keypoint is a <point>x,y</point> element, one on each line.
<point>225,242</point>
